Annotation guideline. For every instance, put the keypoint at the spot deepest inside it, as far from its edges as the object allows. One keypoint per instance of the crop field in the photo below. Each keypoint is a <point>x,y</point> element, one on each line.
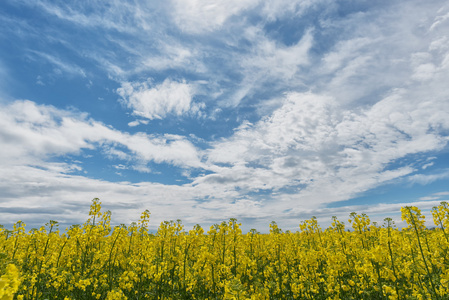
<point>96,261</point>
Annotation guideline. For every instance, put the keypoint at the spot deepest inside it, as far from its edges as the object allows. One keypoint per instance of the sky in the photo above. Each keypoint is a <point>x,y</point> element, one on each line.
<point>205,110</point>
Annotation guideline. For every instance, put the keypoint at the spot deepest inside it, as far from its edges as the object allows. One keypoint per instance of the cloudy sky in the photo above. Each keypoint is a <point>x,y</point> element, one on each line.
<point>203,110</point>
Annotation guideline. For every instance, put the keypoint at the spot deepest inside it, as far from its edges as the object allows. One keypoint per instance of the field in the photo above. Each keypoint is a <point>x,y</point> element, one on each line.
<point>95,261</point>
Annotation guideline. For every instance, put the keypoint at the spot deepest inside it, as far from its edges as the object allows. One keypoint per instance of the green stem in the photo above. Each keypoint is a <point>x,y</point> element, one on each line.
<point>422,254</point>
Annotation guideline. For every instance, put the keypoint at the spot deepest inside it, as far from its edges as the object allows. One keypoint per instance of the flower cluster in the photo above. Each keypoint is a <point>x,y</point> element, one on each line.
<point>98,261</point>
<point>9,283</point>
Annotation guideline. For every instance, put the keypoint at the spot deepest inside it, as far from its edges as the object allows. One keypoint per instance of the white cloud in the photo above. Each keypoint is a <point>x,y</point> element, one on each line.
<point>169,97</point>
<point>120,167</point>
<point>60,67</point>
<point>117,15</point>
<point>439,44</point>
<point>137,122</point>
<point>441,194</point>
<point>428,178</point>
<point>434,196</point>
<point>31,132</point>
<point>377,52</point>
<point>198,16</point>
<point>35,196</point>
<point>429,198</point>
<point>270,62</point>
<point>328,152</point>
<point>440,19</point>
<point>425,166</point>
<point>277,9</point>
<point>133,123</point>
<point>174,55</point>
<point>195,16</point>
<point>22,189</point>
<point>303,145</point>
<point>344,52</point>
<point>278,61</point>
<point>142,168</point>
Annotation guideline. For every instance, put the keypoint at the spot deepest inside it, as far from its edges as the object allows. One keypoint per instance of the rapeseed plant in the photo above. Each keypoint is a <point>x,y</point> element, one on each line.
<point>97,261</point>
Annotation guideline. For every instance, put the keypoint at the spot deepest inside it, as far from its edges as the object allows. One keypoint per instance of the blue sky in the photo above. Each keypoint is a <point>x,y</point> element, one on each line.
<point>206,110</point>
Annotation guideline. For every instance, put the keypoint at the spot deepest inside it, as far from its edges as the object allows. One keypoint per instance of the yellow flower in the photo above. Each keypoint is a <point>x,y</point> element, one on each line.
<point>116,295</point>
<point>9,283</point>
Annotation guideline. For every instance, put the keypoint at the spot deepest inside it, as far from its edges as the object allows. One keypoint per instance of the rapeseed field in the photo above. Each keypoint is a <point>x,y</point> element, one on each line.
<point>96,261</point>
